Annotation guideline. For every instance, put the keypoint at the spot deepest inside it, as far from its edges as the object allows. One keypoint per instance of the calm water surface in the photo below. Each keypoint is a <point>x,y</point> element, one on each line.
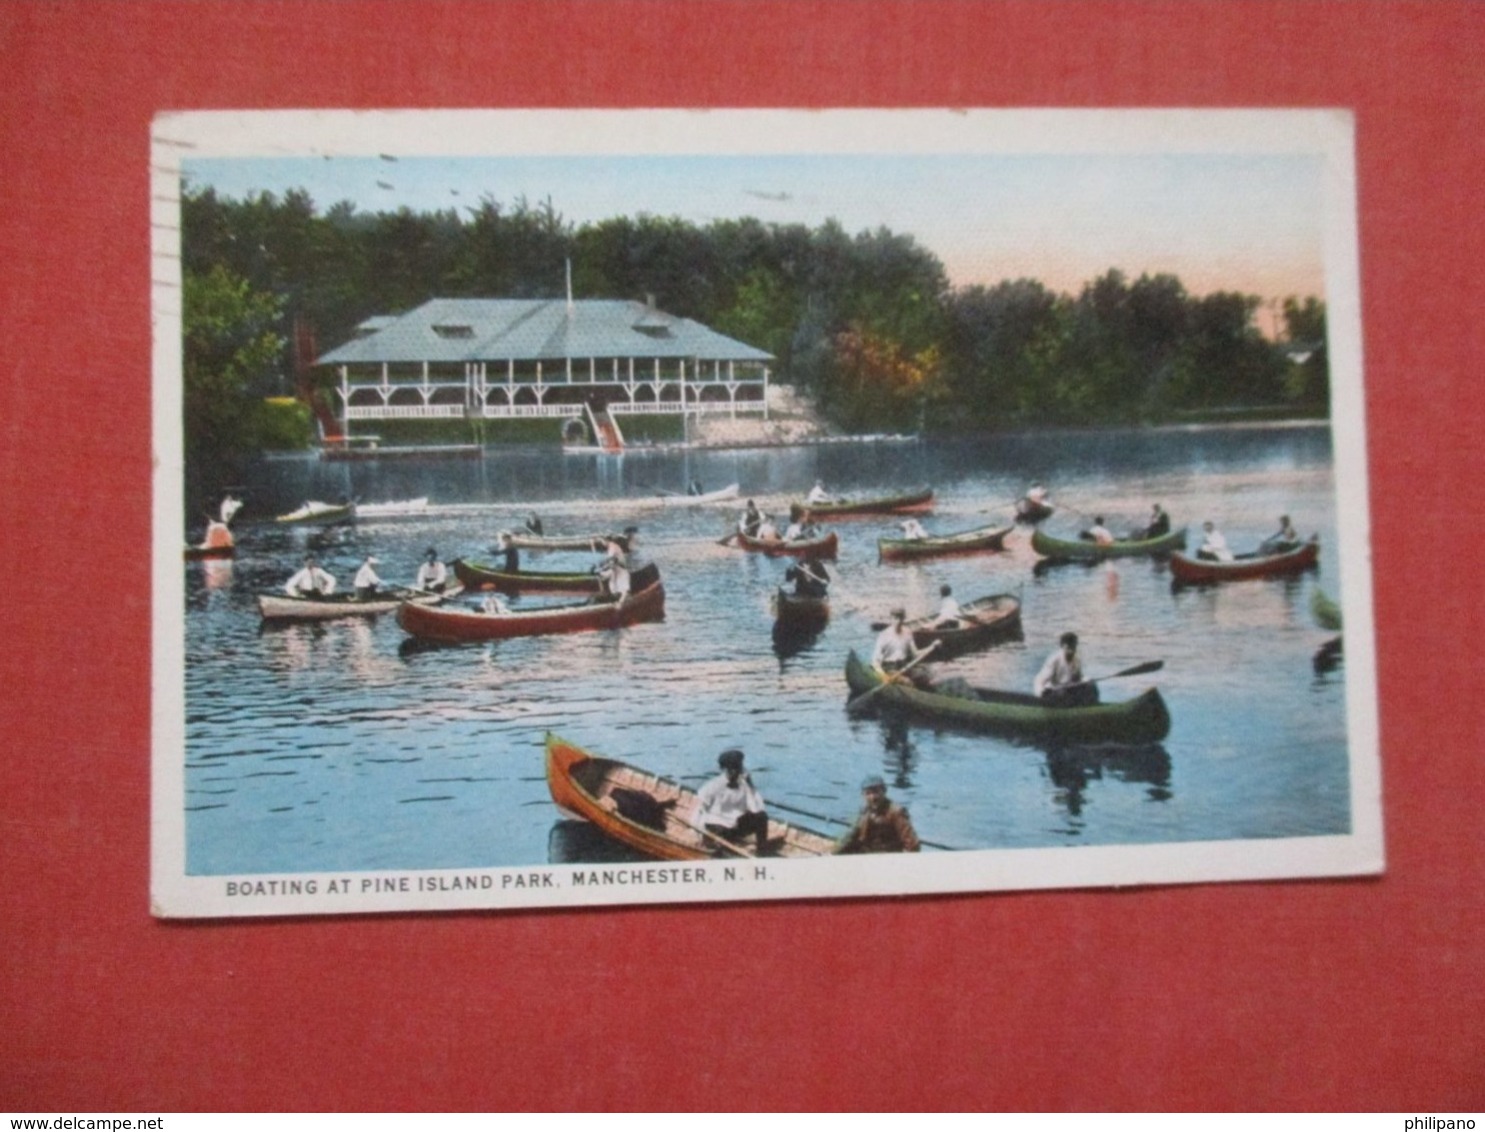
<point>339,747</point>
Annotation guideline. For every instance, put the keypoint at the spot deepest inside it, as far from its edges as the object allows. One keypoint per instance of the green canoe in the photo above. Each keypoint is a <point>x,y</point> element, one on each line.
<point>1327,614</point>
<point>1143,719</point>
<point>1085,550</point>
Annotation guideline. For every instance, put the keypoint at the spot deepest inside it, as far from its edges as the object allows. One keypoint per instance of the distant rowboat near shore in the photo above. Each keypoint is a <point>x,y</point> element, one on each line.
<point>392,509</point>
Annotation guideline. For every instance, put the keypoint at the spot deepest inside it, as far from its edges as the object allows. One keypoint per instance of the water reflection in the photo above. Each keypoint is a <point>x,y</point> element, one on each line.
<point>582,843</point>
<point>1071,769</point>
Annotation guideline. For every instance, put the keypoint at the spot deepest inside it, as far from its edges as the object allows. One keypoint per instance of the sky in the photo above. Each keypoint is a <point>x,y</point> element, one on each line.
<point>1220,221</point>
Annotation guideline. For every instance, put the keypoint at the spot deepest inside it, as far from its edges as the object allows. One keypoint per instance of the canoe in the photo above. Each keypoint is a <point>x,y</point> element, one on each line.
<point>315,512</point>
<point>721,495</point>
<point>527,541</point>
<point>917,502</point>
<point>1186,570</point>
<point>392,509</point>
<point>986,620</point>
<point>979,541</point>
<point>483,576</point>
<point>650,813</point>
<point>796,613</point>
<point>823,547</point>
<point>282,607</point>
<point>1086,550</point>
<point>1032,511</point>
<point>449,625</point>
<point>197,553</point>
<point>1144,719</point>
<point>1327,613</point>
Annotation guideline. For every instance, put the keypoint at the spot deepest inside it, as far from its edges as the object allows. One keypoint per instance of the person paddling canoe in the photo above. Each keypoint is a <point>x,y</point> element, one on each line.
<point>1282,541</point>
<point>1060,681</point>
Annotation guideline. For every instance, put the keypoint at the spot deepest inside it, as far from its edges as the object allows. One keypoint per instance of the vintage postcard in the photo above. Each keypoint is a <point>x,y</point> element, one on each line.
<point>571,508</point>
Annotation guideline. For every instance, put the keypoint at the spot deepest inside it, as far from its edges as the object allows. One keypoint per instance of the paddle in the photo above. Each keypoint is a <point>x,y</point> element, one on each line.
<point>1137,670</point>
<point>740,850</point>
<point>775,804</point>
<point>855,705</point>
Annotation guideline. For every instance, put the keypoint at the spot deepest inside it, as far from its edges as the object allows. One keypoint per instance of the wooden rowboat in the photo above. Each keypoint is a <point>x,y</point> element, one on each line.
<point>1194,571</point>
<point>282,607</point>
<point>392,509</point>
<point>650,813</point>
<point>315,512</point>
<point>482,576</point>
<point>1144,719</point>
<point>797,613</point>
<point>980,541</point>
<point>1086,550</point>
<point>1327,613</point>
<point>455,626</point>
<point>823,547</point>
<point>678,499</point>
<point>985,621</point>
<point>917,502</point>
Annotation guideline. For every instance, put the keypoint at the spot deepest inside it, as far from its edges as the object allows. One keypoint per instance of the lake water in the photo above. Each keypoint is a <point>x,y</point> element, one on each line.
<point>339,747</point>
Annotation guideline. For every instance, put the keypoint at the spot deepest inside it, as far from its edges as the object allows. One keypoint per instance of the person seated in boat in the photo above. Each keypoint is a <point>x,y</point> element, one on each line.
<point>895,648</point>
<point>1098,534</point>
<point>505,545</point>
<point>1283,541</point>
<point>1060,681</point>
<point>494,603</point>
<point>950,614</point>
<point>694,488</point>
<point>729,807</point>
<point>882,827</point>
<point>913,530</point>
<point>366,579</point>
<point>747,524</point>
<point>810,578</point>
<point>818,494</point>
<point>311,581</point>
<point>1158,526</point>
<point>229,509</point>
<point>617,564</point>
<point>433,575</point>
<point>218,537</point>
<point>1213,546</point>
<point>768,531</point>
<point>533,524</point>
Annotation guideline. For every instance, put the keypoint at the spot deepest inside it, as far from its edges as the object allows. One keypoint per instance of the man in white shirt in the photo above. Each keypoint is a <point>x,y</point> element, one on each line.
<point>818,494</point>
<point>1099,534</point>
<point>1060,681</point>
<point>366,578</point>
<point>895,647</point>
<point>432,574</point>
<point>949,611</point>
<point>311,581</point>
<point>1213,546</point>
<point>912,529</point>
<point>729,808</point>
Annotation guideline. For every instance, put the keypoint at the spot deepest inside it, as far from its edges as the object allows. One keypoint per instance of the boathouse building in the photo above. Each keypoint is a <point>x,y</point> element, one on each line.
<point>501,359</point>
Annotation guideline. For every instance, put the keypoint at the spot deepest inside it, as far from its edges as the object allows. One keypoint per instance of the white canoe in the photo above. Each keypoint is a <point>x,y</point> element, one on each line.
<point>282,607</point>
<point>316,512</point>
<point>721,495</point>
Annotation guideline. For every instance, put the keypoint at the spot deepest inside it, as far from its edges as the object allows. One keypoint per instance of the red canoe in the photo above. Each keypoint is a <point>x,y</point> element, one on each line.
<point>449,625</point>
<point>801,548</point>
<point>1198,570</point>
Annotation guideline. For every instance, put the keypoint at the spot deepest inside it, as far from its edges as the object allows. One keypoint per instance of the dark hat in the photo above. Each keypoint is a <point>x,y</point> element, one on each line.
<point>430,553</point>
<point>899,612</point>
<point>730,759</point>
<point>873,782</point>
<point>945,590</point>
<point>631,530</point>
<point>1068,639</point>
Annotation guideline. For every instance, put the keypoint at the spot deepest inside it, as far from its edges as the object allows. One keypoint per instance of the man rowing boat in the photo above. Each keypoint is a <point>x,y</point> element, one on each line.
<point>729,808</point>
<point>1060,681</point>
<point>311,581</point>
<point>883,827</point>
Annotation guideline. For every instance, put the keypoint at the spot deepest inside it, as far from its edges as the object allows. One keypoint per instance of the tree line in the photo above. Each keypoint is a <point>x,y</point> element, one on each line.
<point>866,324</point>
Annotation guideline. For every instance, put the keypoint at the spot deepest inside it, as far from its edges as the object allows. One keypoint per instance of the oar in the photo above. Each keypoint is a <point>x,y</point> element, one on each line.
<point>1137,670</point>
<point>741,851</point>
<point>775,804</point>
<point>855,705</point>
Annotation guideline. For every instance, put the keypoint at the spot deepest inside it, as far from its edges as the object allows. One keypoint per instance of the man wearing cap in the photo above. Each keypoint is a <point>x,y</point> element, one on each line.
<point>432,574</point>
<point>505,544</point>
<point>310,581</point>
<point>895,647</point>
<point>1060,681</point>
<point>366,579</point>
<point>728,807</point>
<point>883,827</point>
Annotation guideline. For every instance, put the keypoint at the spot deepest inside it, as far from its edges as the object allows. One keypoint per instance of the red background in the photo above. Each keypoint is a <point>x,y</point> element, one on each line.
<point>1338,995</point>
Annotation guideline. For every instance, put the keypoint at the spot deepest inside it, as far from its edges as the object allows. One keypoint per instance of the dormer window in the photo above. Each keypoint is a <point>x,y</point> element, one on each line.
<point>453,330</point>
